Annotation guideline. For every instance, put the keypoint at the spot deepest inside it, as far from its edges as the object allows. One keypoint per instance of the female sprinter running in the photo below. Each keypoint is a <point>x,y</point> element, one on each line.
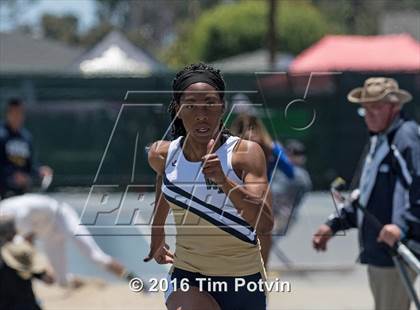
<point>216,185</point>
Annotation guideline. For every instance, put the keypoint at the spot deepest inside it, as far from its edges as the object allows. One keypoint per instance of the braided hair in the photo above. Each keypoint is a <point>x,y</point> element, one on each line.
<point>177,128</point>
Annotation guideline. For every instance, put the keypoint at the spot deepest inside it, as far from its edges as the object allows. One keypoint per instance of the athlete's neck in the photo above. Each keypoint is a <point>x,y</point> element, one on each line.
<point>194,150</point>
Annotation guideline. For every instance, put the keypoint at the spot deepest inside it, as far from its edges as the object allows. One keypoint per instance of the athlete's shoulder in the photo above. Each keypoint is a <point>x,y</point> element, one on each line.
<point>249,156</point>
<point>157,155</point>
<point>248,148</point>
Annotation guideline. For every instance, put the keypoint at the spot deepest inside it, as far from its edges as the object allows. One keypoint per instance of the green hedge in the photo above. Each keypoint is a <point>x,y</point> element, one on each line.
<point>231,29</point>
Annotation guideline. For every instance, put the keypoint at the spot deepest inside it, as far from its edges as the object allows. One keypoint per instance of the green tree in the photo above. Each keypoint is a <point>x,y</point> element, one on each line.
<point>233,28</point>
<point>61,28</point>
<point>95,34</point>
<point>149,22</point>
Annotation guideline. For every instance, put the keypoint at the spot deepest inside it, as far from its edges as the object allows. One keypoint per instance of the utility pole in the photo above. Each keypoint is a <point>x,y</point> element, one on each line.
<point>272,35</point>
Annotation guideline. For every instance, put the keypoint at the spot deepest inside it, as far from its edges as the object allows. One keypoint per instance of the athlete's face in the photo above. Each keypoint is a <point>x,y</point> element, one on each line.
<point>201,110</point>
<point>15,117</point>
<point>379,115</point>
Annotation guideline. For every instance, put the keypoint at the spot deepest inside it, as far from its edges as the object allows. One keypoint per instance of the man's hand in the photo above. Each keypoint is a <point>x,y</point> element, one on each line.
<point>321,237</point>
<point>48,277</point>
<point>212,168</point>
<point>389,234</point>
<point>160,253</point>
<point>30,237</point>
<point>45,171</point>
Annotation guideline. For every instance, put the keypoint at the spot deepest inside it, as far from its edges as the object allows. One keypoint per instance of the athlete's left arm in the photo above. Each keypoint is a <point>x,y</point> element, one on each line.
<point>253,199</point>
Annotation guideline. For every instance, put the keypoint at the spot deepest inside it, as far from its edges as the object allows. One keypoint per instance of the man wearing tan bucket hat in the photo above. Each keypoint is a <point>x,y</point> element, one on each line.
<point>19,264</point>
<point>388,186</point>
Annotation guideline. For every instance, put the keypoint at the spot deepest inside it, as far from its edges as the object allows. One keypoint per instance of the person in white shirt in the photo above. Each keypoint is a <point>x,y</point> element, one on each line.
<point>55,223</point>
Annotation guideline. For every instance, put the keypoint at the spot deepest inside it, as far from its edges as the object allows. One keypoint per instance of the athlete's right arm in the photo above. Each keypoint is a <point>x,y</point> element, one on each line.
<point>158,249</point>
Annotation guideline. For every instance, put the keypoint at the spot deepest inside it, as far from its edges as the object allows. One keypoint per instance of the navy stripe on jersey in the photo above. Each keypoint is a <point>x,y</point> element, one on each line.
<point>217,210</point>
<point>210,219</point>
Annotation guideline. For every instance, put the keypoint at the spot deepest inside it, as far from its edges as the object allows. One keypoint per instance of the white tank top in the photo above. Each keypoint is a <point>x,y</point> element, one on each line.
<point>212,237</point>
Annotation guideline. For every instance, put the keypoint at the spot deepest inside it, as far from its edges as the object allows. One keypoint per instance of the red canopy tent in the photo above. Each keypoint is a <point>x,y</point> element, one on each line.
<point>360,53</point>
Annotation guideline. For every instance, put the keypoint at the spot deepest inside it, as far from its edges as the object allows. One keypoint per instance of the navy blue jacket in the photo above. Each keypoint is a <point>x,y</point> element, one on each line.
<point>16,155</point>
<point>395,197</point>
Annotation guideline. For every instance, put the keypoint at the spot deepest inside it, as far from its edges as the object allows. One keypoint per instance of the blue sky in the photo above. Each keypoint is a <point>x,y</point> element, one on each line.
<point>83,9</point>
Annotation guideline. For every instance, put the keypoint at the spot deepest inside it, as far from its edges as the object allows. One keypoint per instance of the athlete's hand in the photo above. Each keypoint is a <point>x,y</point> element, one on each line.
<point>321,237</point>
<point>160,252</point>
<point>389,234</point>
<point>212,167</point>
